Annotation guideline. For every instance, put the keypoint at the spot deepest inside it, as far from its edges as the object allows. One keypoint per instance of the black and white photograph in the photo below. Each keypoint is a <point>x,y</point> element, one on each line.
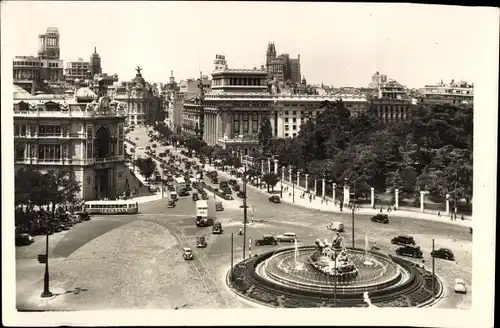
<point>216,162</point>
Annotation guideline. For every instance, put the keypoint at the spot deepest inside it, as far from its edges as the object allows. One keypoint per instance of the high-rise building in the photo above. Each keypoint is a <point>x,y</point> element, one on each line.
<point>78,69</point>
<point>43,71</point>
<point>282,68</point>
<point>49,44</point>
<point>95,63</point>
<point>378,80</point>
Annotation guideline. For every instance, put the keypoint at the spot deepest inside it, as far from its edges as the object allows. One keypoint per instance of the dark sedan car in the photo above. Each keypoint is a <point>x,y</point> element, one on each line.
<point>443,253</point>
<point>275,199</point>
<point>380,218</point>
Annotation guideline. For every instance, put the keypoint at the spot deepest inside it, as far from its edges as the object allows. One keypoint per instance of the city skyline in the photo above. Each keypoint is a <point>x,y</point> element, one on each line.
<point>364,38</point>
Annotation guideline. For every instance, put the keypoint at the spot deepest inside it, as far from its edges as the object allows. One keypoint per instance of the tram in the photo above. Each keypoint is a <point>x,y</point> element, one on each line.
<point>111,207</point>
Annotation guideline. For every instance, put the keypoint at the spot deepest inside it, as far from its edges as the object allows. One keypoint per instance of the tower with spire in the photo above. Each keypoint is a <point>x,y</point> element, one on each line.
<point>95,64</point>
<point>270,54</point>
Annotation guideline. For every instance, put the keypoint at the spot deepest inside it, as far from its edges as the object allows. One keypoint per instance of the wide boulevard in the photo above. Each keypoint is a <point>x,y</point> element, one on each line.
<point>135,261</point>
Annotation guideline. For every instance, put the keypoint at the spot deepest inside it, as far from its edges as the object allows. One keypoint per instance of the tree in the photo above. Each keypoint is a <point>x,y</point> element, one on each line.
<point>147,166</point>
<point>270,179</point>
<point>265,133</point>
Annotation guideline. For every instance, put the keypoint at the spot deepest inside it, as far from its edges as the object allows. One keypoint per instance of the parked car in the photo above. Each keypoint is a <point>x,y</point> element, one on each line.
<point>287,236</point>
<point>460,286</point>
<point>403,240</point>
<point>24,239</point>
<point>232,182</point>
<point>187,253</point>
<point>195,196</point>
<point>201,242</point>
<point>136,138</point>
<point>413,251</point>
<point>266,240</point>
<point>443,253</point>
<point>153,145</point>
<point>275,199</point>
<point>240,194</point>
<point>380,218</point>
<point>217,228</point>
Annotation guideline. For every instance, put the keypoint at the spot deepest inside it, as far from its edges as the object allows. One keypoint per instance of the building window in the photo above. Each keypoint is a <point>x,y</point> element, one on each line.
<point>49,130</point>
<point>49,151</point>
<point>20,151</point>
<point>286,135</point>
<point>286,119</point>
<point>245,123</point>
<point>236,124</point>
<point>286,127</point>
<point>255,123</point>
<point>294,120</point>
<point>19,130</point>
<point>286,113</point>
<point>294,127</point>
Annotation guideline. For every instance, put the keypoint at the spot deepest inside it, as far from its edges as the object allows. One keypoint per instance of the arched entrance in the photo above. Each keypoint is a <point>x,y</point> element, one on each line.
<point>103,148</point>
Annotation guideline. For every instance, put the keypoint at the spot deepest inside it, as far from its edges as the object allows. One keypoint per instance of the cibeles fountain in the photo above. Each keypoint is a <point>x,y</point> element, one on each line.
<point>327,274</point>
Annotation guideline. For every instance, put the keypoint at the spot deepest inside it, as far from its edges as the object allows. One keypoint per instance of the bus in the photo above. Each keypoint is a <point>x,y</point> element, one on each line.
<point>205,213</point>
<point>181,187</point>
<point>111,207</point>
<point>181,182</point>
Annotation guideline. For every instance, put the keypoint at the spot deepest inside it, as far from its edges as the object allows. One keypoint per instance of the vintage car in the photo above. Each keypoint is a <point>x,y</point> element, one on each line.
<point>413,251</point>
<point>195,196</point>
<point>217,228</point>
<point>170,203</point>
<point>460,286</point>
<point>201,242</point>
<point>275,199</point>
<point>24,239</point>
<point>240,194</point>
<point>187,253</point>
<point>380,218</point>
<point>218,206</point>
<point>266,240</point>
<point>403,240</point>
<point>287,236</point>
<point>443,253</point>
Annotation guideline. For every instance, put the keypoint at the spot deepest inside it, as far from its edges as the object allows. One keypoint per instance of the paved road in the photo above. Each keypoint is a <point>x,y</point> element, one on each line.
<point>135,261</point>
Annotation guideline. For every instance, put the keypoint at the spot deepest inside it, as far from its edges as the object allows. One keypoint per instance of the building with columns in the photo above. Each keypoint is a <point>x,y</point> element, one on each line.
<point>80,130</point>
<point>240,100</point>
<point>393,102</point>
<point>143,102</point>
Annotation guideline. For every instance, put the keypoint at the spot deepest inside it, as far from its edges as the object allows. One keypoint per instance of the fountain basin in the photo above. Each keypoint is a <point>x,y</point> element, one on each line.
<point>274,279</point>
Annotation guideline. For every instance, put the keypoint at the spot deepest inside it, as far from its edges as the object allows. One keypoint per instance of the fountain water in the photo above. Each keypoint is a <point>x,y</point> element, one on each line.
<point>367,260</point>
<point>298,265</point>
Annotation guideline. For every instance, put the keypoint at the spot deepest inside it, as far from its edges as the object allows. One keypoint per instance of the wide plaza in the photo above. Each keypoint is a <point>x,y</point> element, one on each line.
<point>135,261</point>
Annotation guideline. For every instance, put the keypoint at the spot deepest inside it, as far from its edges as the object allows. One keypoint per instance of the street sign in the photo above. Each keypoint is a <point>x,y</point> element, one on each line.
<point>42,258</point>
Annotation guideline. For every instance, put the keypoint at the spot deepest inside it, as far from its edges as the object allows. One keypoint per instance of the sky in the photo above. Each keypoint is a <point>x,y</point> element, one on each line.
<point>340,44</point>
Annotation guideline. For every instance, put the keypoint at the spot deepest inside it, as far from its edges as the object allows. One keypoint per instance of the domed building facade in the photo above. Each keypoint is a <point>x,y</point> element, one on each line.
<point>143,102</point>
<point>81,129</point>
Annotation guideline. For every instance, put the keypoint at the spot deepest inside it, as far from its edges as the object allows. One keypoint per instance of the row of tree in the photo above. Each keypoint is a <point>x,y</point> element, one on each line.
<point>431,150</point>
<point>35,188</point>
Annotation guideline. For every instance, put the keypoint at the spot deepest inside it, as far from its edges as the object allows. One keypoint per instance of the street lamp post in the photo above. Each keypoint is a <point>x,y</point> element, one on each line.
<point>293,187</point>
<point>335,278</point>
<point>46,292</point>
<point>244,210</point>
<point>353,206</point>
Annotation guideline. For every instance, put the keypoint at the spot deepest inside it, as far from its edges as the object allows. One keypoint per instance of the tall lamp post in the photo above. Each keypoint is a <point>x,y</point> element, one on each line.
<point>202,109</point>
<point>46,291</point>
<point>353,206</point>
<point>293,187</point>
<point>244,210</point>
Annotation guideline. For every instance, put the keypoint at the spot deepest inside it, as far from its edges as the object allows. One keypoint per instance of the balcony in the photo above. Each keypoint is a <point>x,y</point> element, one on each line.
<point>251,140</point>
<point>51,136</point>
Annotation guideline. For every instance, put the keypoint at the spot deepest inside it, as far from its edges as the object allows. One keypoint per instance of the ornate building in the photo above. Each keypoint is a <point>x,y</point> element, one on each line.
<point>143,102</point>
<point>232,113</point>
<point>78,69</point>
<point>393,102</point>
<point>79,130</point>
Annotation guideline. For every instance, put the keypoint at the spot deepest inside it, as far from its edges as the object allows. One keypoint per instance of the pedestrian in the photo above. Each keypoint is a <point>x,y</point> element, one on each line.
<point>326,201</point>
<point>439,214</point>
<point>314,197</point>
<point>462,217</point>
<point>321,200</point>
